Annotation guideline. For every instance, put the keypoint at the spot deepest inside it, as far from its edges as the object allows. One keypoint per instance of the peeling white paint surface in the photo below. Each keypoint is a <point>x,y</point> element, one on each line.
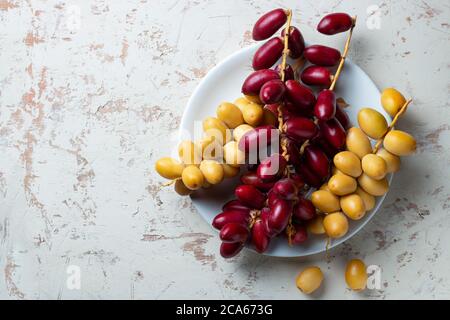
<point>91,91</point>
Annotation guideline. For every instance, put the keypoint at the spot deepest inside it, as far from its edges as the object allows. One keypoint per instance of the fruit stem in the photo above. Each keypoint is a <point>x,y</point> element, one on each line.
<point>391,126</point>
<point>286,43</point>
<point>341,63</point>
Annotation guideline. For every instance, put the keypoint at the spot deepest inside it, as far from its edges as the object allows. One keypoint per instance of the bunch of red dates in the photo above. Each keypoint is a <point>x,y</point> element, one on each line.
<point>271,200</point>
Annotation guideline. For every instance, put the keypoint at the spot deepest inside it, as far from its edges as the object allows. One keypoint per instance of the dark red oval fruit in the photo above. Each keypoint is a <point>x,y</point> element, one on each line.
<point>335,23</point>
<point>296,42</point>
<point>286,189</point>
<point>251,178</point>
<point>250,196</point>
<point>342,117</point>
<point>268,54</point>
<point>301,234</point>
<point>310,178</point>
<point>258,138</point>
<point>260,238</point>
<point>288,72</point>
<point>304,210</point>
<point>279,216</point>
<point>322,55</point>
<point>333,132</point>
<point>300,129</point>
<point>316,76</point>
<point>317,161</point>
<point>235,205</point>
<point>299,95</point>
<point>229,250</point>
<point>271,168</point>
<point>325,107</point>
<point>272,91</point>
<point>226,217</point>
<point>253,83</point>
<point>268,24</point>
<point>234,232</point>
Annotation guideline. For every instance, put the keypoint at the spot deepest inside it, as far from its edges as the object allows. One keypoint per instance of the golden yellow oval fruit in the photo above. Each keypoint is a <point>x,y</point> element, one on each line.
<point>229,171</point>
<point>233,155</point>
<point>335,225</point>
<point>348,163</point>
<point>239,131</point>
<point>357,142</point>
<point>353,206</point>
<point>211,149</point>
<point>269,118</point>
<point>372,186</point>
<point>254,99</point>
<point>189,152</point>
<point>356,275</point>
<point>169,168</point>
<point>253,114</point>
<point>374,166</point>
<point>393,162</point>
<point>399,143</point>
<point>192,177</point>
<point>181,189</point>
<point>212,171</point>
<point>315,225</point>
<point>216,128</point>
<point>241,103</point>
<point>372,122</point>
<point>368,199</point>
<point>392,101</point>
<point>342,184</point>
<point>325,201</point>
<point>309,280</point>
<point>230,114</point>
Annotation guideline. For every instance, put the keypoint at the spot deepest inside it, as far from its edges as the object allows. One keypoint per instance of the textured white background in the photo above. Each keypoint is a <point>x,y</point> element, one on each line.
<point>88,104</point>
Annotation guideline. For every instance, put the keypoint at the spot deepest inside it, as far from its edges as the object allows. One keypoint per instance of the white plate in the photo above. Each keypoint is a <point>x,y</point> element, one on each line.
<point>223,83</point>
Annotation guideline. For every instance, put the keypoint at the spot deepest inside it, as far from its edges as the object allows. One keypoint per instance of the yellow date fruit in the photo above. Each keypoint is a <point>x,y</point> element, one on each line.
<point>181,189</point>
<point>229,171</point>
<point>374,166</point>
<point>230,114</point>
<point>357,142</point>
<point>189,152</point>
<point>392,101</point>
<point>372,186</point>
<point>239,131</point>
<point>315,225</point>
<point>368,199</point>
<point>348,163</point>
<point>399,143</point>
<point>169,168</point>
<point>212,171</point>
<point>192,177</point>
<point>211,149</point>
<point>341,184</point>
<point>269,118</point>
<point>353,206</point>
<point>216,128</point>
<point>233,155</point>
<point>393,162</point>
<point>372,122</point>
<point>356,275</point>
<point>325,201</point>
<point>309,280</point>
<point>254,99</point>
<point>253,114</point>
<point>335,225</point>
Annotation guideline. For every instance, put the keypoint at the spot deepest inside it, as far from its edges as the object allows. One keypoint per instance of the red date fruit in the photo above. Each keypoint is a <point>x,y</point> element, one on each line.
<point>304,210</point>
<point>325,107</point>
<point>271,168</point>
<point>333,132</point>
<point>316,76</point>
<point>233,232</point>
<point>300,129</point>
<point>257,138</point>
<point>251,178</point>
<point>229,250</point>
<point>335,23</point>
<point>342,117</point>
<point>250,196</point>
<point>322,55</point>
<point>285,189</point>
<point>317,161</point>
<point>298,180</point>
<point>279,216</point>
<point>272,91</point>
<point>260,238</point>
<point>235,205</point>
<point>253,83</point>
<point>296,42</point>
<point>301,234</point>
<point>226,217</point>
<point>310,177</point>
<point>268,24</point>
<point>321,142</point>
<point>268,54</point>
<point>272,197</point>
<point>288,72</point>
<point>299,95</point>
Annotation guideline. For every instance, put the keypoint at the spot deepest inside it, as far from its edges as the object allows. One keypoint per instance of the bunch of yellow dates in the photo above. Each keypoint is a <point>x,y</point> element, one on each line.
<point>216,156</point>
